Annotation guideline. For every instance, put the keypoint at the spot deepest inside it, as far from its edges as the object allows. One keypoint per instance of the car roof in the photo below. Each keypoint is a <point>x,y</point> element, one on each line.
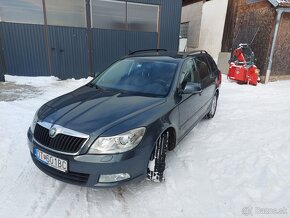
<point>164,54</point>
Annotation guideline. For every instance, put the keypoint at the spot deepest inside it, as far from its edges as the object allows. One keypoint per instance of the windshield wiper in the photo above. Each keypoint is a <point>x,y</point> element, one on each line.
<point>94,86</point>
<point>90,85</point>
<point>136,93</point>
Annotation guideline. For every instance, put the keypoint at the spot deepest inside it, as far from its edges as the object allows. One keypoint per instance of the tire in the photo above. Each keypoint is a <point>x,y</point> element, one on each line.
<point>156,164</point>
<point>213,107</point>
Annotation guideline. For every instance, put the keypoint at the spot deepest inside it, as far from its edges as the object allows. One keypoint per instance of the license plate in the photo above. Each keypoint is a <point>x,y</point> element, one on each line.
<point>50,160</point>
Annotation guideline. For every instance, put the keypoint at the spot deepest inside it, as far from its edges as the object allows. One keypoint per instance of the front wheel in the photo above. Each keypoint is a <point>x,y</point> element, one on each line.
<point>213,107</point>
<point>156,164</point>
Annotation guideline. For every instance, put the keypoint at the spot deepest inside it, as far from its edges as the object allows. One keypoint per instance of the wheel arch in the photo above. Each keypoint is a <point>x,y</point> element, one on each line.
<point>172,137</point>
<point>218,92</point>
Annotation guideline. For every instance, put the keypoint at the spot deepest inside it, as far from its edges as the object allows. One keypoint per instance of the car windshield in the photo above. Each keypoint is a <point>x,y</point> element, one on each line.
<point>139,76</point>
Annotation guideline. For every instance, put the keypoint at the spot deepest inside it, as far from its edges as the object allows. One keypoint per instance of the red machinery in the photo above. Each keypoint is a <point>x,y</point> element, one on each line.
<point>242,66</point>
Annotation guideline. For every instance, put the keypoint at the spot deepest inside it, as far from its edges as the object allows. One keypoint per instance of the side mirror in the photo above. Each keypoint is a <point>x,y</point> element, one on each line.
<point>192,88</point>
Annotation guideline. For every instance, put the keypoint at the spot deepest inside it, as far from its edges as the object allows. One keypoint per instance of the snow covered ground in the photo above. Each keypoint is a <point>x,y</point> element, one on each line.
<point>235,165</point>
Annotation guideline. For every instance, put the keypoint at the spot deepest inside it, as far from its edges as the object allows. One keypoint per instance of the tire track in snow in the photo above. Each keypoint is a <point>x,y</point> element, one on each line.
<point>3,159</point>
<point>189,160</point>
<point>120,197</point>
<point>40,201</point>
<point>37,200</point>
<point>54,197</point>
<point>74,201</point>
<point>26,172</point>
<point>35,205</point>
<point>95,200</point>
<point>88,202</point>
<point>20,178</point>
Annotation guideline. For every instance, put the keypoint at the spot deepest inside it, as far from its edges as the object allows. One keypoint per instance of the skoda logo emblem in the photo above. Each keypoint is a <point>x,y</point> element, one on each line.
<point>52,132</point>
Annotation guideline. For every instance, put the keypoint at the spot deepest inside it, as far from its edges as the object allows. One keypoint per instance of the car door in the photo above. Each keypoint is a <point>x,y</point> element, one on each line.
<point>189,104</point>
<point>207,80</point>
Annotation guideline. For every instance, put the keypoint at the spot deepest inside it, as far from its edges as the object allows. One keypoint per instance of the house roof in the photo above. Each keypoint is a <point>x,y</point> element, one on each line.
<point>188,2</point>
<point>280,3</point>
<point>275,3</point>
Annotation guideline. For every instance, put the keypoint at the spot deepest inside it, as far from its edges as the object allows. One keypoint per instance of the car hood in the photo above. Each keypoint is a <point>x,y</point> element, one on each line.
<point>88,110</point>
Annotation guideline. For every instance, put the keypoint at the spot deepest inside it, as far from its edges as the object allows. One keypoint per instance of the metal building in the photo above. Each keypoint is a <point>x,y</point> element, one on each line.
<point>74,39</point>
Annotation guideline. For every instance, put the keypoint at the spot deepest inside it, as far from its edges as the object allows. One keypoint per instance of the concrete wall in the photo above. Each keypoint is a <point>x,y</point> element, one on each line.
<point>192,14</point>
<point>212,26</point>
<point>223,62</point>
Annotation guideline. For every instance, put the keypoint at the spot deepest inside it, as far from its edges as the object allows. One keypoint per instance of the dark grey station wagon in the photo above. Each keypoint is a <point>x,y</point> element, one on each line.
<point>118,127</point>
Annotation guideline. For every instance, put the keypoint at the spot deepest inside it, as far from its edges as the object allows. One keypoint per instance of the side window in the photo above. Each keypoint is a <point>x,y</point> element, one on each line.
<point>188,73</point>
<point>212,65</point>
<point>202,66</point>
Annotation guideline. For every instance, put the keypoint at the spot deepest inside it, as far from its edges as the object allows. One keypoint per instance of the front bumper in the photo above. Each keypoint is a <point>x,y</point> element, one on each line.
<point>85,169</point>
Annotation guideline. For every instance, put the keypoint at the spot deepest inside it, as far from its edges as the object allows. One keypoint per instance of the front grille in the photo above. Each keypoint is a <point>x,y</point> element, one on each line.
<point>71,177</point>
<point>60,142</point>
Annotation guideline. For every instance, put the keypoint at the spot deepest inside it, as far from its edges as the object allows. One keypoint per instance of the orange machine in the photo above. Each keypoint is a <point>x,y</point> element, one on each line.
<point>242,67</point>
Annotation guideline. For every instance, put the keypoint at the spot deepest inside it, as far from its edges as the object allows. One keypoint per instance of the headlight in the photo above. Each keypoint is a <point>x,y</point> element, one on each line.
<point>119,143</point>
<point>34,121</point>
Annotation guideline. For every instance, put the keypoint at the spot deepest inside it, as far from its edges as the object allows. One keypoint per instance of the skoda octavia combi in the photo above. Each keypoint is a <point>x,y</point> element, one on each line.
<point>119,126</point>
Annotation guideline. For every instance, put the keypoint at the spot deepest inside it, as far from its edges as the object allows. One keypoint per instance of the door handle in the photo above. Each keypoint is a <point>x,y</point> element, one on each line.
<point>61,50</point>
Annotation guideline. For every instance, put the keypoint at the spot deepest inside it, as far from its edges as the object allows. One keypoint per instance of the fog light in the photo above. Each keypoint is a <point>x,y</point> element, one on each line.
<point>113,177</point>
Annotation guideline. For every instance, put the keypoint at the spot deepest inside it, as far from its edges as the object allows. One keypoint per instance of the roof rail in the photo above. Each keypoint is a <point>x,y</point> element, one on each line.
<point>197,52</point>
<point>148,50</point>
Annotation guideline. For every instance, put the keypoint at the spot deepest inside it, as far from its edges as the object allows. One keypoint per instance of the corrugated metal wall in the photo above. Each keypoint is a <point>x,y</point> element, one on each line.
<point>2,62</point>
<point>169,21</point>
<point>24,49</point>
<point>170,24</point>
<point>68,52</point>
<point>122,42</point>
<point>141,40</point>
<point>26,52</point>
<point>108,46</point>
